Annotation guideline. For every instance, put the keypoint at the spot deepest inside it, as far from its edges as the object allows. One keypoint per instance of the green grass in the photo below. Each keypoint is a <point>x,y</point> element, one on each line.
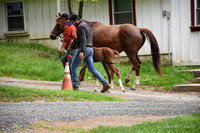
<point>172,75</point>
<point>29,61</point>
<point>180,124</point>
<point>18,94</point>
<point>34,61</point>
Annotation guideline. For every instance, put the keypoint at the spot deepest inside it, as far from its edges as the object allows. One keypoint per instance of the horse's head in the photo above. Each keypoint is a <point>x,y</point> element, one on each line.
<point>58,28</point>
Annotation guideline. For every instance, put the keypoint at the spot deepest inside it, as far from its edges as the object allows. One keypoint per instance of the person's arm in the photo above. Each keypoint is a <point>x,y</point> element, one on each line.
<point>82,34</point>
<point>82,38</point>
<point>61,48</point>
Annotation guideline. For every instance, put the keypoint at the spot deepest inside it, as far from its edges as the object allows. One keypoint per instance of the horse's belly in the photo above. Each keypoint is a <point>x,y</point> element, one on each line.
<point>114,46</point>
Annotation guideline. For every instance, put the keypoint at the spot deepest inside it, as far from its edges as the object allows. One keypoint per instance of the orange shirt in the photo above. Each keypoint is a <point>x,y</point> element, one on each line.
<point>69,31</point>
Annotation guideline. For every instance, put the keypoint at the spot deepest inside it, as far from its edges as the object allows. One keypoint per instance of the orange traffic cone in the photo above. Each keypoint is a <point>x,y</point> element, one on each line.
<point>67,83</point>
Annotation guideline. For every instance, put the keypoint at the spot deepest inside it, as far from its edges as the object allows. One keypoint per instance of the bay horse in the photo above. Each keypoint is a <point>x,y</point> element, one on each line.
<point>127,38</point>
<point>123,37</point>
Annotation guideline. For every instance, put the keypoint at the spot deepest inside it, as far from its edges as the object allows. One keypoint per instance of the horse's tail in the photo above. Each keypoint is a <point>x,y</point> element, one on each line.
<point>154,49</point>
<point>116,53</point>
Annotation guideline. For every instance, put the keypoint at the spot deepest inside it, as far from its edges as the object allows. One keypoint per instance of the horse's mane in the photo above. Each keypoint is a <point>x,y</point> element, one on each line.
<point>89,22</point>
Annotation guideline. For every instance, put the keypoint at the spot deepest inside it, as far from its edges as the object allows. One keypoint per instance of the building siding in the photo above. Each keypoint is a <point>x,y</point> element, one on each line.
<point>185,44</point>
<point>92,11</point>
<point>39,17</point>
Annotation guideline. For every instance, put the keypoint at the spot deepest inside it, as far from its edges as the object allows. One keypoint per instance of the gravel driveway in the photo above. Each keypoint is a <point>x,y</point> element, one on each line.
<point>145,103</point>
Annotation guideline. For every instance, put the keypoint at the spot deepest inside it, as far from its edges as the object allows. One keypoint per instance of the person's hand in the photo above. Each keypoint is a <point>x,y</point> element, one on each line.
<point>60,51</point>
<point>81,55</point>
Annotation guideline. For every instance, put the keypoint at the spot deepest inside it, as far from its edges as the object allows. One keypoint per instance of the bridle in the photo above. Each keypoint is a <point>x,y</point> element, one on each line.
<point>60,35</point>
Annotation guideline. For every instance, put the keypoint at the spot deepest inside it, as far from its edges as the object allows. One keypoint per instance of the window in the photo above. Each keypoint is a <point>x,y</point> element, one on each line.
<point>197,12</point>
<point>122,11</point>
<point>195,15</point>
<point>15,18</point>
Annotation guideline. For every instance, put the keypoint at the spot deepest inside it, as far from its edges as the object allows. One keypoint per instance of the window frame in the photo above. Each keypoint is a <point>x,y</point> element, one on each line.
<point>194,27</point>
<point>111,12</point>
<point>6,15</point>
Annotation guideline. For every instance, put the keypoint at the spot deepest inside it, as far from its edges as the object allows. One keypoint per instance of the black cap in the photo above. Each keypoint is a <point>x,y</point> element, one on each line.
<point>74,17</point>
<point>64,15</point>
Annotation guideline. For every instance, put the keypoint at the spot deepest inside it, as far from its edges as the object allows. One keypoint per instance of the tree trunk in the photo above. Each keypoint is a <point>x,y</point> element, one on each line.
<point>69,7</point>
<point>80,12</point>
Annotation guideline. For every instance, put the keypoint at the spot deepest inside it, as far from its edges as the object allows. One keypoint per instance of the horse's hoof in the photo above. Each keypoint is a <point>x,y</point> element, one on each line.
<point>123,91</point>
<point>127,80</point>
<point>95,90</point>
<point>132,88</point>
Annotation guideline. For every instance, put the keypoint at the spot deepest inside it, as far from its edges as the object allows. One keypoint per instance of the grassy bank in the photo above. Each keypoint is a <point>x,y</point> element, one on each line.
<point>29,61</point>
<point>172,75</point>
<point>18,94</point>
<point>34,61</point>
<point>180,124</point>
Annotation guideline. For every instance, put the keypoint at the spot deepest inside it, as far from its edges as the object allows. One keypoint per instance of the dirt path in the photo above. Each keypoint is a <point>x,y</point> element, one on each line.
<point>91,87</point>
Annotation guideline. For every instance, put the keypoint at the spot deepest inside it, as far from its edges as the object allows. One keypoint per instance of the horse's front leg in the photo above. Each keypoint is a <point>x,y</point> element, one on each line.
<point>107,71</point>
<point>82,73</point>
<point>116,71</point>
<point>132,70</point>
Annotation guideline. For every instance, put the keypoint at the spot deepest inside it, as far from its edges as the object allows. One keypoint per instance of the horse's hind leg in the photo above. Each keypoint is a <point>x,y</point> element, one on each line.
<point>116,71</point>
<point>137,70</point>
<point>136,66</point>
<point>111,72</point>
<point>137,78</point>
<point>127,79</point>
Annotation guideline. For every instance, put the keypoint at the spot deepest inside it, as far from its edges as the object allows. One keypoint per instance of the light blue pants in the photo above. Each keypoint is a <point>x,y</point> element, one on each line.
<point>88,58</point>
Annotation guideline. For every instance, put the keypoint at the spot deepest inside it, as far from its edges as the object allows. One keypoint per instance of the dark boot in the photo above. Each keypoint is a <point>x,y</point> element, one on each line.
<point>106,87</point>
<point>76,89</point>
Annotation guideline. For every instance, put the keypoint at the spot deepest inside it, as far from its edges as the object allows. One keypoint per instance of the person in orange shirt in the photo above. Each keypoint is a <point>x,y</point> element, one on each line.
<point>69,34</point>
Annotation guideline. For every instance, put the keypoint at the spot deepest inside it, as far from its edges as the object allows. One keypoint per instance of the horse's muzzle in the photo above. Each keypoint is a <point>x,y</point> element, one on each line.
<point>53,37</point>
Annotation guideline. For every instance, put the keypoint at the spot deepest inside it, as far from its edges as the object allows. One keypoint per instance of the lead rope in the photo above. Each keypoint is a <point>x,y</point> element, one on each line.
<point>59,57</point>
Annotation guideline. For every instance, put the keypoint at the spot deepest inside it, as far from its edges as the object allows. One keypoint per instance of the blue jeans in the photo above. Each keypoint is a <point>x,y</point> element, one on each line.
<point>88,58</point>
<point>65,59</point>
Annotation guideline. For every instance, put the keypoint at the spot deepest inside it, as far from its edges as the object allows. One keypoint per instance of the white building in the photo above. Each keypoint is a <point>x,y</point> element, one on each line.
<point>175,23</point>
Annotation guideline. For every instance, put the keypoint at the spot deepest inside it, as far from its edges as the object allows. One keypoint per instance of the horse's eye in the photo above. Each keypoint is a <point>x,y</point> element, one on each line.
<point>58,24</point>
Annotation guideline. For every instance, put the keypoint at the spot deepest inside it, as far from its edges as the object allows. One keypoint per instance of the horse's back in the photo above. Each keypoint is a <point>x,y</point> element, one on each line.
<point>116,30</point>
<point>116,36</point>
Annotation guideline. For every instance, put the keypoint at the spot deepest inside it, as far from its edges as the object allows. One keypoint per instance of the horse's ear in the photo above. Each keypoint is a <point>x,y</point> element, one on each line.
<point>58,14</point>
